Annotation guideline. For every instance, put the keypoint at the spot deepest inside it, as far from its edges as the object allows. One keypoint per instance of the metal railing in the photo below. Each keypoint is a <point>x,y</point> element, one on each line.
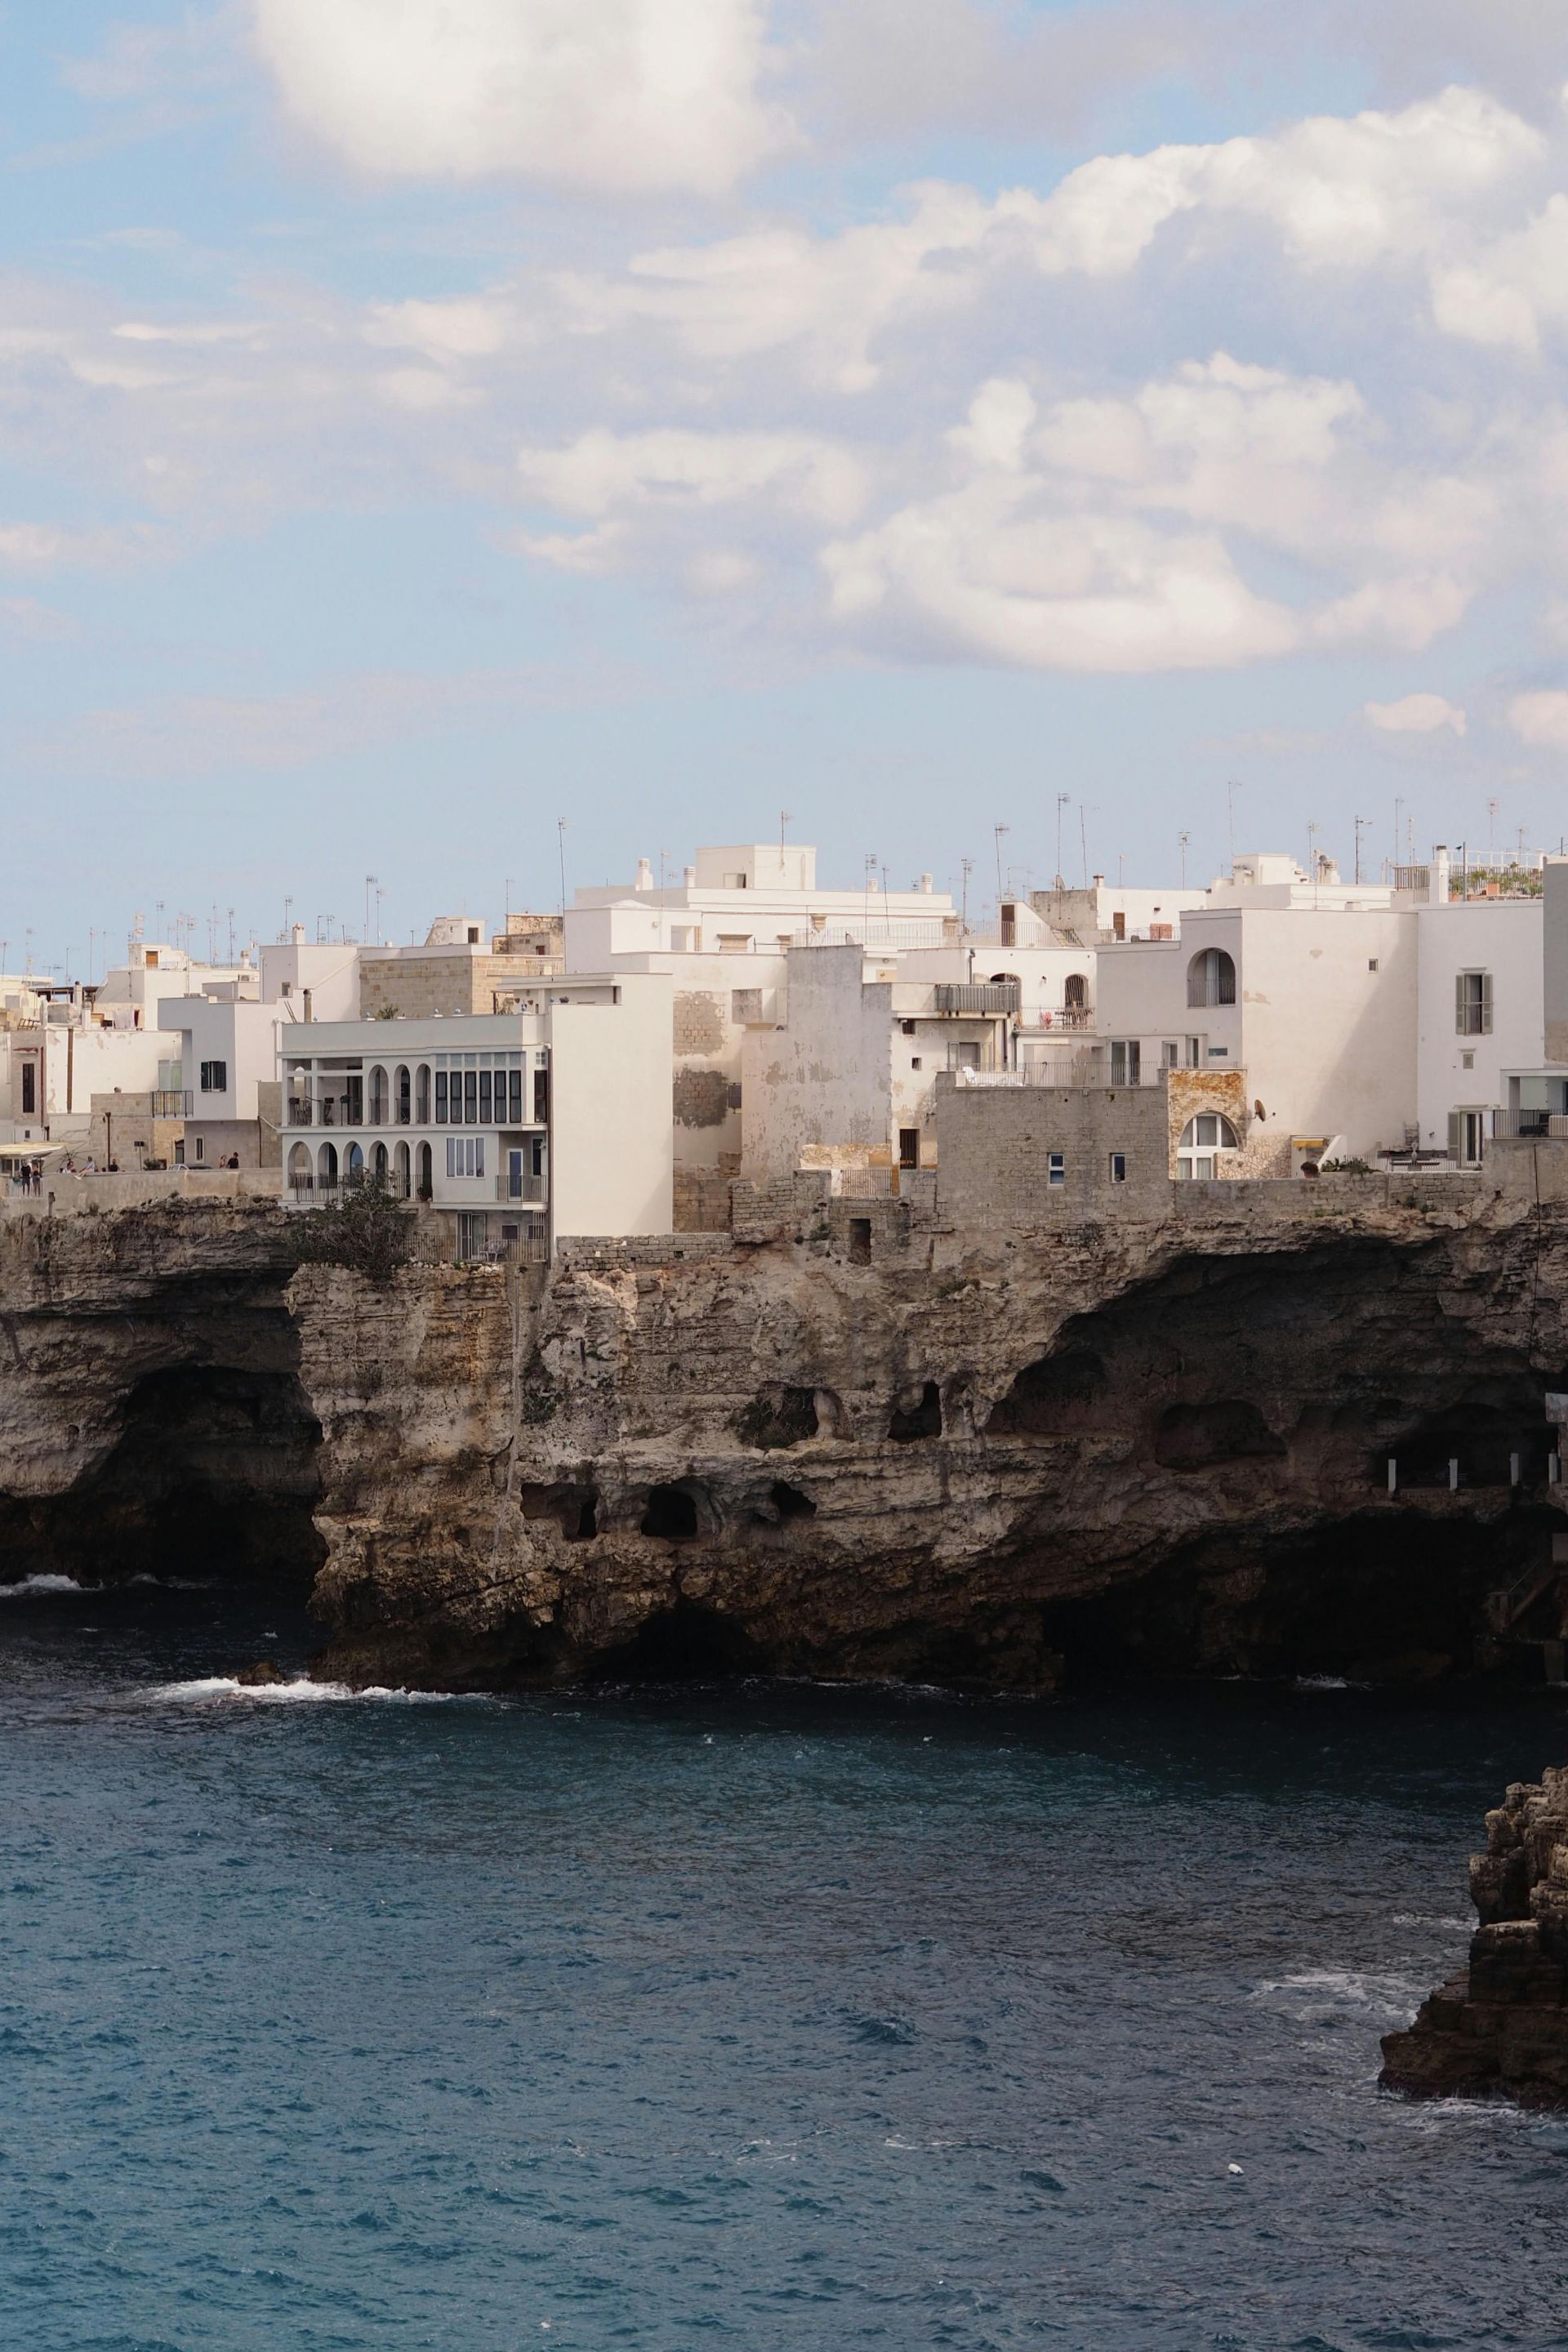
<point>171,1102</point>
<point>525,1190</point>
<point>1545,1124</point>
<point>975,996</point>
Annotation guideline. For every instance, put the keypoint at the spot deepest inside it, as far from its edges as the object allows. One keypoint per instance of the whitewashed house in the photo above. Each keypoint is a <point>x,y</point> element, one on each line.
<point>523,1126</point>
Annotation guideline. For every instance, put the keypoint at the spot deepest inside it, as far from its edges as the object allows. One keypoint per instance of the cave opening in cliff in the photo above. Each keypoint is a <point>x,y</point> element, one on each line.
<point>673,1513</point>
<point>1379,1598</point>
<point>213,1478</point>
<point>909,1423</point>
<point>685,1643</point>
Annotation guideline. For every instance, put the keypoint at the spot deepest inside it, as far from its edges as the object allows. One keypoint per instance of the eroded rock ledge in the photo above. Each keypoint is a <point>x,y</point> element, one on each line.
<point>832,1443</point>
<point>1501,2025</point>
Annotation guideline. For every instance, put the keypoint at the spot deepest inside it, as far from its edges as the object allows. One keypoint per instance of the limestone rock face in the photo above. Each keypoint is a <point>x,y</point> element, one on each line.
<point>1156,1446</point>
<point>1502,2025</point>
<point>844,1441</point>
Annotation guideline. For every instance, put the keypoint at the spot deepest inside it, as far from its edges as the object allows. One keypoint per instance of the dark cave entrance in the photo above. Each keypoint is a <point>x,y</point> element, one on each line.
<point>213,1479</point>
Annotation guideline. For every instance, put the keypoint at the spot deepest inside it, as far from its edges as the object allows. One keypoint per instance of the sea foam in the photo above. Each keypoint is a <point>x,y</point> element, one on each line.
<point>32,1586</point>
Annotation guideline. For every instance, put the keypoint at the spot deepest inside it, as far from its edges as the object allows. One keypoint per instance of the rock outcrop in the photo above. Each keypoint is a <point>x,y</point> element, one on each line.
<point>844,1441</point>
<point>1501,2025</point>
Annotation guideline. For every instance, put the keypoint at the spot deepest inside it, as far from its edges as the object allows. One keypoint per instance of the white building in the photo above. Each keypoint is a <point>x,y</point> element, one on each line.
<point>550,1121</point>
<point>723,931</point>
<point>1481,1046</point>
<point>1310,985</point>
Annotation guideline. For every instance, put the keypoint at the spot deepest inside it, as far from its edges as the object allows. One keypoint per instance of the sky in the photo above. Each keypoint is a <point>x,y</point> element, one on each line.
<point>426,421</point>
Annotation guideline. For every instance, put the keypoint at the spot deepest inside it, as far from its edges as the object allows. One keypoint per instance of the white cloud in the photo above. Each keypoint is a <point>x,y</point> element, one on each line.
<point>602,470</point>
<point>1542,719</point>
<point>621,95</point>
<point>46,547</point>
<point>1415,714</point>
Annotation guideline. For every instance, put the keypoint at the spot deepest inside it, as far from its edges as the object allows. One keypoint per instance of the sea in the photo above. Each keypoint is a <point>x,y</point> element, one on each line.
<point>772,2015</point>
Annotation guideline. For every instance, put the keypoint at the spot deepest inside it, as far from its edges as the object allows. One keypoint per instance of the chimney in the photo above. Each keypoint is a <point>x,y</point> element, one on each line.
<point>1439,882</point>
<point>1099,881</point>
<point>925,885</point>
<point>297,935</point>
<point>645,873</point>
<point>689,876</point>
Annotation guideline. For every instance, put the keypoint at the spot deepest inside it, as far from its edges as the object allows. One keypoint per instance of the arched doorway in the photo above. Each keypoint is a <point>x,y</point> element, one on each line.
<point>1211,978</point>
<point>404,1092</point>
<point>353,1166</point>
<point>327,1167</point>
<point>300,1178</point>
<point>426,1186</point>
<point>1202,1137</point>
<point>402,1171</point>
<point>379,1164</point>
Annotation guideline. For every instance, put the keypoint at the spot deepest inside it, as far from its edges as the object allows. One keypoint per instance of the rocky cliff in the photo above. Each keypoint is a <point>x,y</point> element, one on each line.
<point>835,1444</point>
<point>1501,2025</point>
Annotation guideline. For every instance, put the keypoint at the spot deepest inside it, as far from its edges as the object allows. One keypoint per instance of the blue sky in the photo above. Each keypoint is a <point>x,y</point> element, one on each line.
<point>423,419</point>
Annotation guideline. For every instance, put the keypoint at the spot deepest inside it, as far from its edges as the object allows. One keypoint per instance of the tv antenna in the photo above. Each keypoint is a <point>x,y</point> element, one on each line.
<point>1062,800</point>
<point>1182,841</point>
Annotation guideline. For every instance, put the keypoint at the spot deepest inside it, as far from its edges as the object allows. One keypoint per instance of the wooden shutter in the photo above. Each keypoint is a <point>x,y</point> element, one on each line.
<point>1485,979</point>
<point>1460,1007</point>
<point>1456,1135</point>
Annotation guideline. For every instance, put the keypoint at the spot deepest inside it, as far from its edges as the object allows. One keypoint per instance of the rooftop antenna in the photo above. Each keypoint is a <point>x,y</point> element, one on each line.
<point>1359,822</point>
<point>287,917</point>
<point>560,850</point>
<point>1231,790</point>
<point>1062,800</point>
<point>1491,830</point>
<point>968,865</point>
<point>997,831</point>
<point>231,935</point>
<point>1182,841</point>
<point>1083,840</point>
<point>1398,805</point>
<point>1313,830</point>
<point>380,895</point>
<point>1120,868</point>
<point>369,886</point>
<point>784,820</point>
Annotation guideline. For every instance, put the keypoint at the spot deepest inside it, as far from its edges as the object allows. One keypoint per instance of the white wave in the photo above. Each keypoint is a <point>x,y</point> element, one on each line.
<point>216,1687</point>
<point>1317,1994</point>
<point>1327,1682</point>
<point>31,1585</point>
<point>175,1584</point>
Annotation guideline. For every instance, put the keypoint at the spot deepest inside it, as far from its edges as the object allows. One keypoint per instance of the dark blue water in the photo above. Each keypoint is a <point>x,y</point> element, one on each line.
<point>771,2017</point>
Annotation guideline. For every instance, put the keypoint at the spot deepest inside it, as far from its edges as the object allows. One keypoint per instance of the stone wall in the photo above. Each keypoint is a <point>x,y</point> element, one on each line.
<point>419,986</point>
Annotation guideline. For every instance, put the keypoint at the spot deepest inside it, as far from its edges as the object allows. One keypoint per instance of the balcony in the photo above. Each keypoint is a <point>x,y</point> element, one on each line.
<point>525,1191</point>
<point>171,1102</point>
<point>1511,1124</point>
<point>333,1110</point>
<point>976,997</point>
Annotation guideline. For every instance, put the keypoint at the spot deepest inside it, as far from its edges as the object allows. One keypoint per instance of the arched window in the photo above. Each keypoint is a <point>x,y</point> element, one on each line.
<point>1075,995</point>
<point>425,1171</point>
<point>402,1171</point>
<point>300,1169</point>
<point>1211,978</point>
<point>379,1163</point>
<point>377,1097</point>
<point>327,1167</point>
<point>404,1094</point>
<point>353,1166</point>
<point>1202,1137</point>
<point>422,1095</point>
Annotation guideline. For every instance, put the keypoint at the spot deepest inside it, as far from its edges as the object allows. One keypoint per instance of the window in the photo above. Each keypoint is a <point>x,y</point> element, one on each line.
<point>29,1089</point>
<point>215,1078</point>
<point>916,1063</point>
<point>441,1096</point>
<point>465,1155</point>
<point>1202,1137</point>
<point>1211,978</point>
<point>541,1097</point>
<point>1126,1062</point>
<point>1372,964</point>
<point>1473,1004</point>
<point>1169,1054</point>
<point>1468,1061</point>
<point>405,1096</point>
<point>1056,1168</point>
<point>1075,996</point>
<point>1195,1053</point>
<point>179,1152</point>
<point>1468,1137</point>
<point>514,1096</point>
<point>963,1058</point>
<point>201,1147</point>
<point>908,1027</point>
<point>909,1147</point>
<point>1119,1168</point>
